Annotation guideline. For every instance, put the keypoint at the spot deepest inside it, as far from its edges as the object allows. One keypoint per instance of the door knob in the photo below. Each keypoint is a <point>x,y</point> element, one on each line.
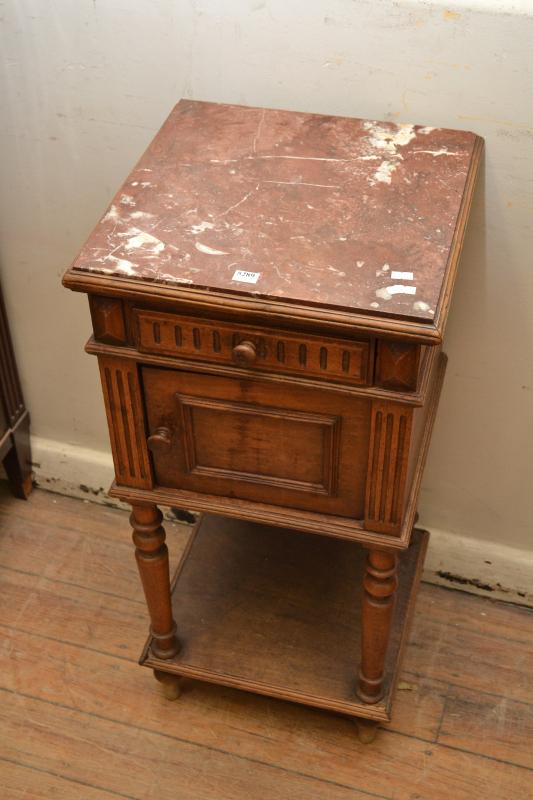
<point>160,440</point>
<point>244,354</point>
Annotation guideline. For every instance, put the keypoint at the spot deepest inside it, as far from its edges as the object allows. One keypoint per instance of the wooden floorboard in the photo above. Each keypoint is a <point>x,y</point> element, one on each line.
<point>489,724</point>
<point>80,719</point>
<point>28,783</point>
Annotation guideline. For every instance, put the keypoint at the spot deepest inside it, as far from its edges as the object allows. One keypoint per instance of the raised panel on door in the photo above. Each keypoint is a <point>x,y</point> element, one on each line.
<point>248,439</point>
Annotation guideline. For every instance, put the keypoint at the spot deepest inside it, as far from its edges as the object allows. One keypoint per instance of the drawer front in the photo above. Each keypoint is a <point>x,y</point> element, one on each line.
<point>299,447</point>
<point>337,360</point>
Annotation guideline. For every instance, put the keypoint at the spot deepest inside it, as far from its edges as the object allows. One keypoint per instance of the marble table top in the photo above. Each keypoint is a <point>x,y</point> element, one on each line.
<point>318,210</point>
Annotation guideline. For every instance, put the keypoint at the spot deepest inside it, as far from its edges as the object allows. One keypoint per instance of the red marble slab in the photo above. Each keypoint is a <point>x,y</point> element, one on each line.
<point>333,211</point>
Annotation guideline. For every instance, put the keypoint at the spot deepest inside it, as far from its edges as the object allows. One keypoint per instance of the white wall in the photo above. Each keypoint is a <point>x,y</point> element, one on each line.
<point>86,83</point>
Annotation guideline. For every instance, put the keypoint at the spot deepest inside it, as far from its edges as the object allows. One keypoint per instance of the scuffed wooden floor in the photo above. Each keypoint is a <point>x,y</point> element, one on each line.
<point>80,719</point>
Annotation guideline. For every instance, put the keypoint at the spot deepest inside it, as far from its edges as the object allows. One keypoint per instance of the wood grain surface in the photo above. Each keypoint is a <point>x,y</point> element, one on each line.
<point>277,612</point>
<point>80,719</point>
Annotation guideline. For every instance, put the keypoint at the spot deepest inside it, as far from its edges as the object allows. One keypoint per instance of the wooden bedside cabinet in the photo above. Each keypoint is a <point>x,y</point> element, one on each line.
<point>268,293</point>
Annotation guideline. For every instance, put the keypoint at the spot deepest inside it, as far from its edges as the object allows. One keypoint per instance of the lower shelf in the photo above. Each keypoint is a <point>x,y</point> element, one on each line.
<point>278,612</point>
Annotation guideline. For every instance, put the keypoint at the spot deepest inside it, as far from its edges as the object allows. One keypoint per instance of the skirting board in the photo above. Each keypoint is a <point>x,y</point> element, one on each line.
<point>479,567</point>
<point>457,562</point>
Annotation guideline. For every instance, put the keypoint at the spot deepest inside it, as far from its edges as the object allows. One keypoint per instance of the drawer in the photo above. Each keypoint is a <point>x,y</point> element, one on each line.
<point>257,349</point>
<point>244,438</point>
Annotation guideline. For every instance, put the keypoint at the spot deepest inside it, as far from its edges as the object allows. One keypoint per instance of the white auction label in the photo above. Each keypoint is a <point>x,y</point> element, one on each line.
<point>399,289</point>
<point>245,277</point>
<point>401,276</point>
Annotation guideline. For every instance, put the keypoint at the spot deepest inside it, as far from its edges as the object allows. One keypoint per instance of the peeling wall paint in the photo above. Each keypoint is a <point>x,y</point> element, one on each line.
<point>490,570</point>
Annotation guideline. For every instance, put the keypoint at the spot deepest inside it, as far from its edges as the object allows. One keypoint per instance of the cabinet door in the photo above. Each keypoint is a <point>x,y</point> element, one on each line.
<point>266,442</point>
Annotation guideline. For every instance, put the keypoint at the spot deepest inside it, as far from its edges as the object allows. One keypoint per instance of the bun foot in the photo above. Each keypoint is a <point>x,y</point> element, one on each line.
<point>171,684</point>
<point>366,730</point>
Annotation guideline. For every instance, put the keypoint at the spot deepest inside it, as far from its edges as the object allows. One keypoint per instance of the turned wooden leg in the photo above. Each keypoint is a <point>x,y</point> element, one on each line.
<point>366,730</point>
<point>379,585</point>
<point>152,559</point>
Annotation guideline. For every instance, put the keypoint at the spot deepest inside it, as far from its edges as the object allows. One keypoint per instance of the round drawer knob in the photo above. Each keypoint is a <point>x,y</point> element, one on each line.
<point>160,440</point>
<point>244,354</point>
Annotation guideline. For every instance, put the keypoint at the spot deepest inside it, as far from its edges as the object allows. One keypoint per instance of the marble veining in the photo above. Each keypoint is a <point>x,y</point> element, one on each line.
<point>349,213</point>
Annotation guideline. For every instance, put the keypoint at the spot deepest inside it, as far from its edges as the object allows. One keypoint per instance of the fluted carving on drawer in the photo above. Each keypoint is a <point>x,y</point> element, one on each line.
<point>338,360</point>
<point>125,417</point>
<point>387,466</point>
